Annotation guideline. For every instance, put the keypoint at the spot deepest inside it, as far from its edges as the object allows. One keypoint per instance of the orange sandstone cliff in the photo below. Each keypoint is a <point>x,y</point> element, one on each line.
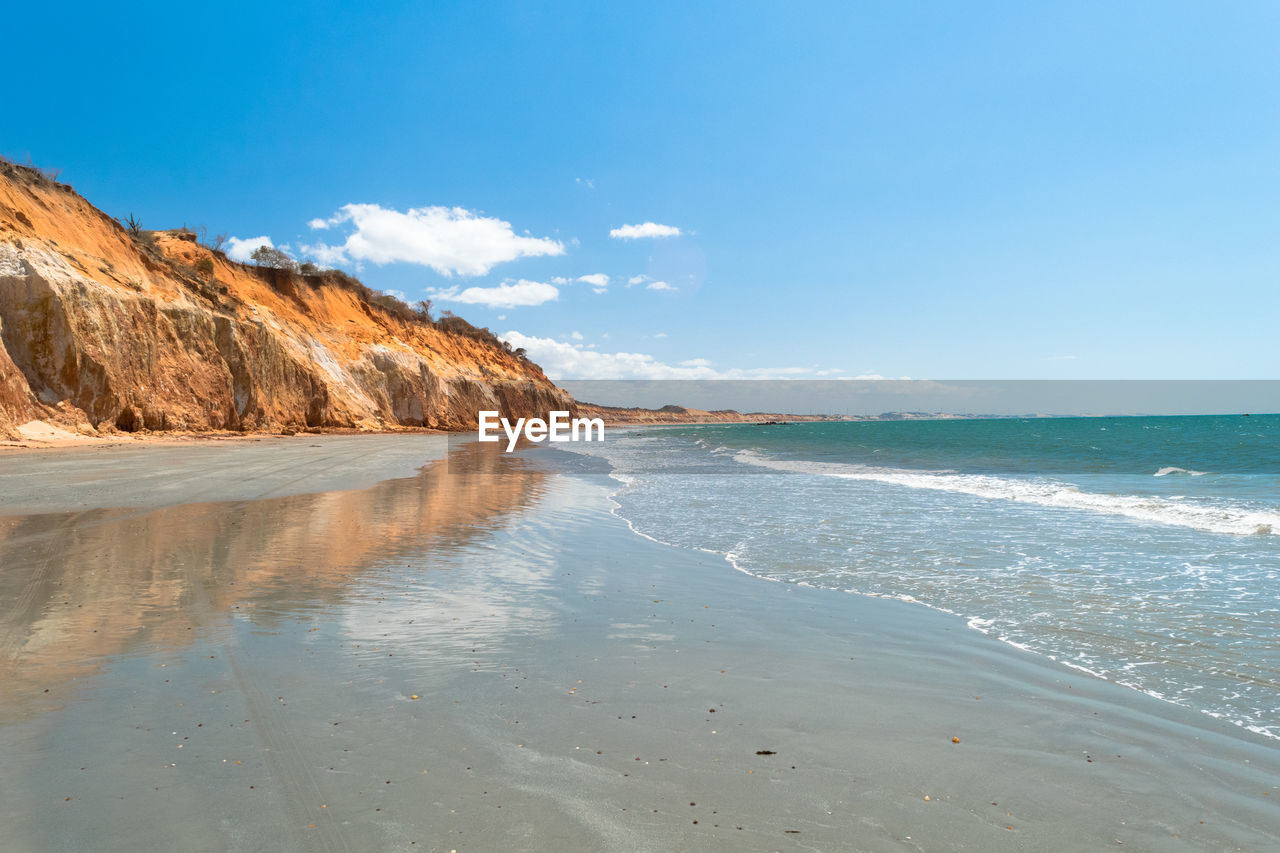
<point>103,329</point>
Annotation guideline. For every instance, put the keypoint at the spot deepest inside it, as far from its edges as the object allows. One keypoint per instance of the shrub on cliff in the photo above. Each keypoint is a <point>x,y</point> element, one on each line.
<point>273,258</point>
<point>390,304</point>
<point>385,301</point>
<point>30,173</point>
<point>455,325</point>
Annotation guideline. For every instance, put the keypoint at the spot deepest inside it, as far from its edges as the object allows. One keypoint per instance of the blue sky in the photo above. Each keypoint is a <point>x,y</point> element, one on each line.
<point>940,190</point>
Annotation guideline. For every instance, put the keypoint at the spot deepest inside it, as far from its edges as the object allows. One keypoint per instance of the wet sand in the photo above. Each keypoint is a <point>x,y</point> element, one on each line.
<point>164,473</point>
<point>481,657</point>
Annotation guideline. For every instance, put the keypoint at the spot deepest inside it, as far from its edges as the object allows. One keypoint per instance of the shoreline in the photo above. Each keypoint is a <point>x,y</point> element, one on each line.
<point>971,622</point>
<point>483,656</point>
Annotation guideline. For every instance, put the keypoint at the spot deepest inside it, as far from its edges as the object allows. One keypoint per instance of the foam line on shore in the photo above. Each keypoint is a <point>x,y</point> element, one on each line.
<point>1222,518</point>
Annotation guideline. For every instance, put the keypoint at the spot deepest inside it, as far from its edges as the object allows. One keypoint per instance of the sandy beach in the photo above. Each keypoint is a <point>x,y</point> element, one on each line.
<point>408,643</point>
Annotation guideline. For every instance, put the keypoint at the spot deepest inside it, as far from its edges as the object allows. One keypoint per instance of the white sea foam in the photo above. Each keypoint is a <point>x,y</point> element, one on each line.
<point>1218,518</point>
<point>1172,469</point>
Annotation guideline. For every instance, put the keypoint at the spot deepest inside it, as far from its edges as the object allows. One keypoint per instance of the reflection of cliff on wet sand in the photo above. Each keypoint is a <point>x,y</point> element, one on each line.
<point>82,586</point>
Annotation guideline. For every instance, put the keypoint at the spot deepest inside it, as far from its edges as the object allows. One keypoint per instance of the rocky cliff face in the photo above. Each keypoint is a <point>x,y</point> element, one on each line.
<point>104,330</point>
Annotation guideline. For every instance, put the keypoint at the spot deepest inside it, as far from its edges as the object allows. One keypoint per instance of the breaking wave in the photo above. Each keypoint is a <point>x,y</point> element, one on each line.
<point>1218,518</point>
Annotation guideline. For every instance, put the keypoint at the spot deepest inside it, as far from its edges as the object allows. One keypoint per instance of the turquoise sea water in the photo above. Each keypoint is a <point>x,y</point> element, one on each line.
<point>1143,550</point>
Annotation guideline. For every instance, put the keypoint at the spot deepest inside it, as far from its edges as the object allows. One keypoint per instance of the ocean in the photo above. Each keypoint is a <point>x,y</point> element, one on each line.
<point>1143,550</point>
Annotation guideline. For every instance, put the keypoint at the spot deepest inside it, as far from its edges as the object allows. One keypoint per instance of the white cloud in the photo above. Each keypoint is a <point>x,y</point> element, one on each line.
<point>637,279</point>
<point>522,293</point>
<point>577,336</point>
<point>330,256</point>
<point>599,281</point>
<point>658,285</point>
<point>241,250</point>
<point>563,360</point>
<point>660,335</point>
<point>448,239</point>
<point>646,229</point>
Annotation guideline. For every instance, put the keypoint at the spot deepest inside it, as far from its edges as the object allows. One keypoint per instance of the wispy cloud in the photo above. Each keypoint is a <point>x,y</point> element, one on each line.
<point>643,230</point>
<point>658,285</point>
<point>509,294</point>
<point>637,279</point>
<point>599,281</point>
<point>564,360</point>
<point>449,240</point>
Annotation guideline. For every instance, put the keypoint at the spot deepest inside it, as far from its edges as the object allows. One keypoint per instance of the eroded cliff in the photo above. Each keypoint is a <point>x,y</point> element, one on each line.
<point>102,329</point>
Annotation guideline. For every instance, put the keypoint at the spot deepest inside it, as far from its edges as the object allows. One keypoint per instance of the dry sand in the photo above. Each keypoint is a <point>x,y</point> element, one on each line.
<point>481,657</point>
